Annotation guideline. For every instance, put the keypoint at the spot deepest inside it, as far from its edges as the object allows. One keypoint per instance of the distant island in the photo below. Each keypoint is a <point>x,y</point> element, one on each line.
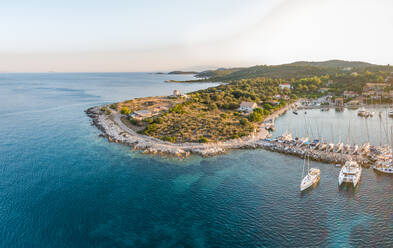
<point>181,72</point>
<point>239,112</point>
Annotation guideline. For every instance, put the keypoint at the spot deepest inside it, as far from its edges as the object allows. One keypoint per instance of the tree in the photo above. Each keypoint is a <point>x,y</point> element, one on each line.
<point>255,117</point>
<point>125,111</point>
<point>244,121</point>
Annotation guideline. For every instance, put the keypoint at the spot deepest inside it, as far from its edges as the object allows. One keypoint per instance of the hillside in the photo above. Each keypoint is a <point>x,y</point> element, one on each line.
<point>335,64</point>
<point>296,70</point>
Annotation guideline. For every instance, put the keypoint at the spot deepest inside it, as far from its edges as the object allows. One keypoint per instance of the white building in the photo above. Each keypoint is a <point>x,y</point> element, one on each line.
<point>285,86</point>
<point>247,106</point>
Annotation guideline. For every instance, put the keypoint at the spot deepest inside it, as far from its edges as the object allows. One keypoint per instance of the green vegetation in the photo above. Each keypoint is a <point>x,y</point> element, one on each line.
<point>125,111</point>
<point>291,71</point>
<point>203,140</point>
<point>212,114</point>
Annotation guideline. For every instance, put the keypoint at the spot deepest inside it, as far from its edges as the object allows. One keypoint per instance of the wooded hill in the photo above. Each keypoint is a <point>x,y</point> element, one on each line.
<point>296,70</point>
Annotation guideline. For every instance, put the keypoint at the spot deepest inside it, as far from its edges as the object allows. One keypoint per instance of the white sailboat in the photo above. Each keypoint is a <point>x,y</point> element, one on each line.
<point>312,177</point>
<point>339,147</point>
<point>350,173</point>
<point>384,161</point>
<point>355,149</point>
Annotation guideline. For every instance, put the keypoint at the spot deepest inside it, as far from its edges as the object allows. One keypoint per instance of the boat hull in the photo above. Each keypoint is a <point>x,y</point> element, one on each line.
<point>384,170</point>
<point>309,180</point>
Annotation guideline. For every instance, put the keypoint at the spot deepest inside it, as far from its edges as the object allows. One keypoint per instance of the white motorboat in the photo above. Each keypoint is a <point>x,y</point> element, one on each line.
<point>350,173</point>
<point>312,177</point>
<point>390,113</point>
<point>362,112</point>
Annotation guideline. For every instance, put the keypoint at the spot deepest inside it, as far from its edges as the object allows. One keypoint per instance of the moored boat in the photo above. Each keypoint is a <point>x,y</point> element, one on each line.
<point>312,177</point>
<point>350,173</point>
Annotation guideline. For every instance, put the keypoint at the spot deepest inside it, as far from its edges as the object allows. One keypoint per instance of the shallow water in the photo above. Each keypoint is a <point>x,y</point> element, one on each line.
<point>62,186</point>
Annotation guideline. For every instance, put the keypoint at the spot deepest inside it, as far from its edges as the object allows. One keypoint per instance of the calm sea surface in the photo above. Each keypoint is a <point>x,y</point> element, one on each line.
<point>62,186</point>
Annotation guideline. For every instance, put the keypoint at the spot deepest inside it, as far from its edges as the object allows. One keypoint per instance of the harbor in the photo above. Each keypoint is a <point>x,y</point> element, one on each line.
<point>365,142</point>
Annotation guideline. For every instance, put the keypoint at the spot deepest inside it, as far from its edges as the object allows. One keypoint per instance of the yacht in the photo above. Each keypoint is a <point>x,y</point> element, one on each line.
<point>355,149</point>
<point>390,113</point>
<point>365,149</point>
<point>339,147</point>
<point>350,173</point>
<point>362,112</point>
<point>384,167</point>
<point>312,177</point>
<point>323,146</point>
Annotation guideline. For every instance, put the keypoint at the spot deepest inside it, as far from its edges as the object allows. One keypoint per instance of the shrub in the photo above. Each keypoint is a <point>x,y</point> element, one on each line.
<point>113,106</point>
<point>212,106</point>
<point>203,140</point>
<point>267,106</point>
<point>108,112</point>
<point>149,120</point>
<point>258,110</point>
<point>177,109</point>
<point>125,111</point>
<point>158,120</point>
<point>135,122</point>
<point>224,116</point>
<point>150,129</point>
<point>244,121</point>
<point>169,139</point>
<point>255,117</point>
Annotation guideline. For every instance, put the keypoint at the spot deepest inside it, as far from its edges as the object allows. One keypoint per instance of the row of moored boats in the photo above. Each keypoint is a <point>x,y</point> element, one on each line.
<point>379,156</point>
<point>350,173</point>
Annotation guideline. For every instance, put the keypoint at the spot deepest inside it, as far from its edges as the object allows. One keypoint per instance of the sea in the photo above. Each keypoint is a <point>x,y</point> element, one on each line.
<point>63,186</point>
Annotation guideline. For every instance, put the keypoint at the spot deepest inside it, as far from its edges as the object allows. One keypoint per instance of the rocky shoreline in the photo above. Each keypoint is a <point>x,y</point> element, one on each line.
<point>115,131</point>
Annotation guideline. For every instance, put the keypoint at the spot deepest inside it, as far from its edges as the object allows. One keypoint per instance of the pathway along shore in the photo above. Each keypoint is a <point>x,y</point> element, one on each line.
<point>116,131</point>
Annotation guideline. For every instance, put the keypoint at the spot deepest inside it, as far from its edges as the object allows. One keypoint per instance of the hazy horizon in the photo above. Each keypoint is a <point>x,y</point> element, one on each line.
<point>133,36</point>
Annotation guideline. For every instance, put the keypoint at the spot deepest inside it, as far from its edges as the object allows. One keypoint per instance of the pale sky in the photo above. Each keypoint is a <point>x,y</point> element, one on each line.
<point>163,35</point>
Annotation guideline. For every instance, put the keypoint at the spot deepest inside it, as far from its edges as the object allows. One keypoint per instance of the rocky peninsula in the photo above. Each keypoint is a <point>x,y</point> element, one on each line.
<point>116,131</point>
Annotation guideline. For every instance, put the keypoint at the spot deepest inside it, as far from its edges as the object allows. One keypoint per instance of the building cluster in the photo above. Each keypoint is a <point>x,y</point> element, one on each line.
<point>377,91</point>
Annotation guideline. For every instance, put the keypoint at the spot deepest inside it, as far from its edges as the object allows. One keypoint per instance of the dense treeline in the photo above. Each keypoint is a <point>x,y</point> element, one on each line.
<point>212,114</point>
<point>295,70</point>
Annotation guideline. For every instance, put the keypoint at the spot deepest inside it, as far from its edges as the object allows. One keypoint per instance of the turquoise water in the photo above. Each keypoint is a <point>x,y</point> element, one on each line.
<point>62,186</point>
